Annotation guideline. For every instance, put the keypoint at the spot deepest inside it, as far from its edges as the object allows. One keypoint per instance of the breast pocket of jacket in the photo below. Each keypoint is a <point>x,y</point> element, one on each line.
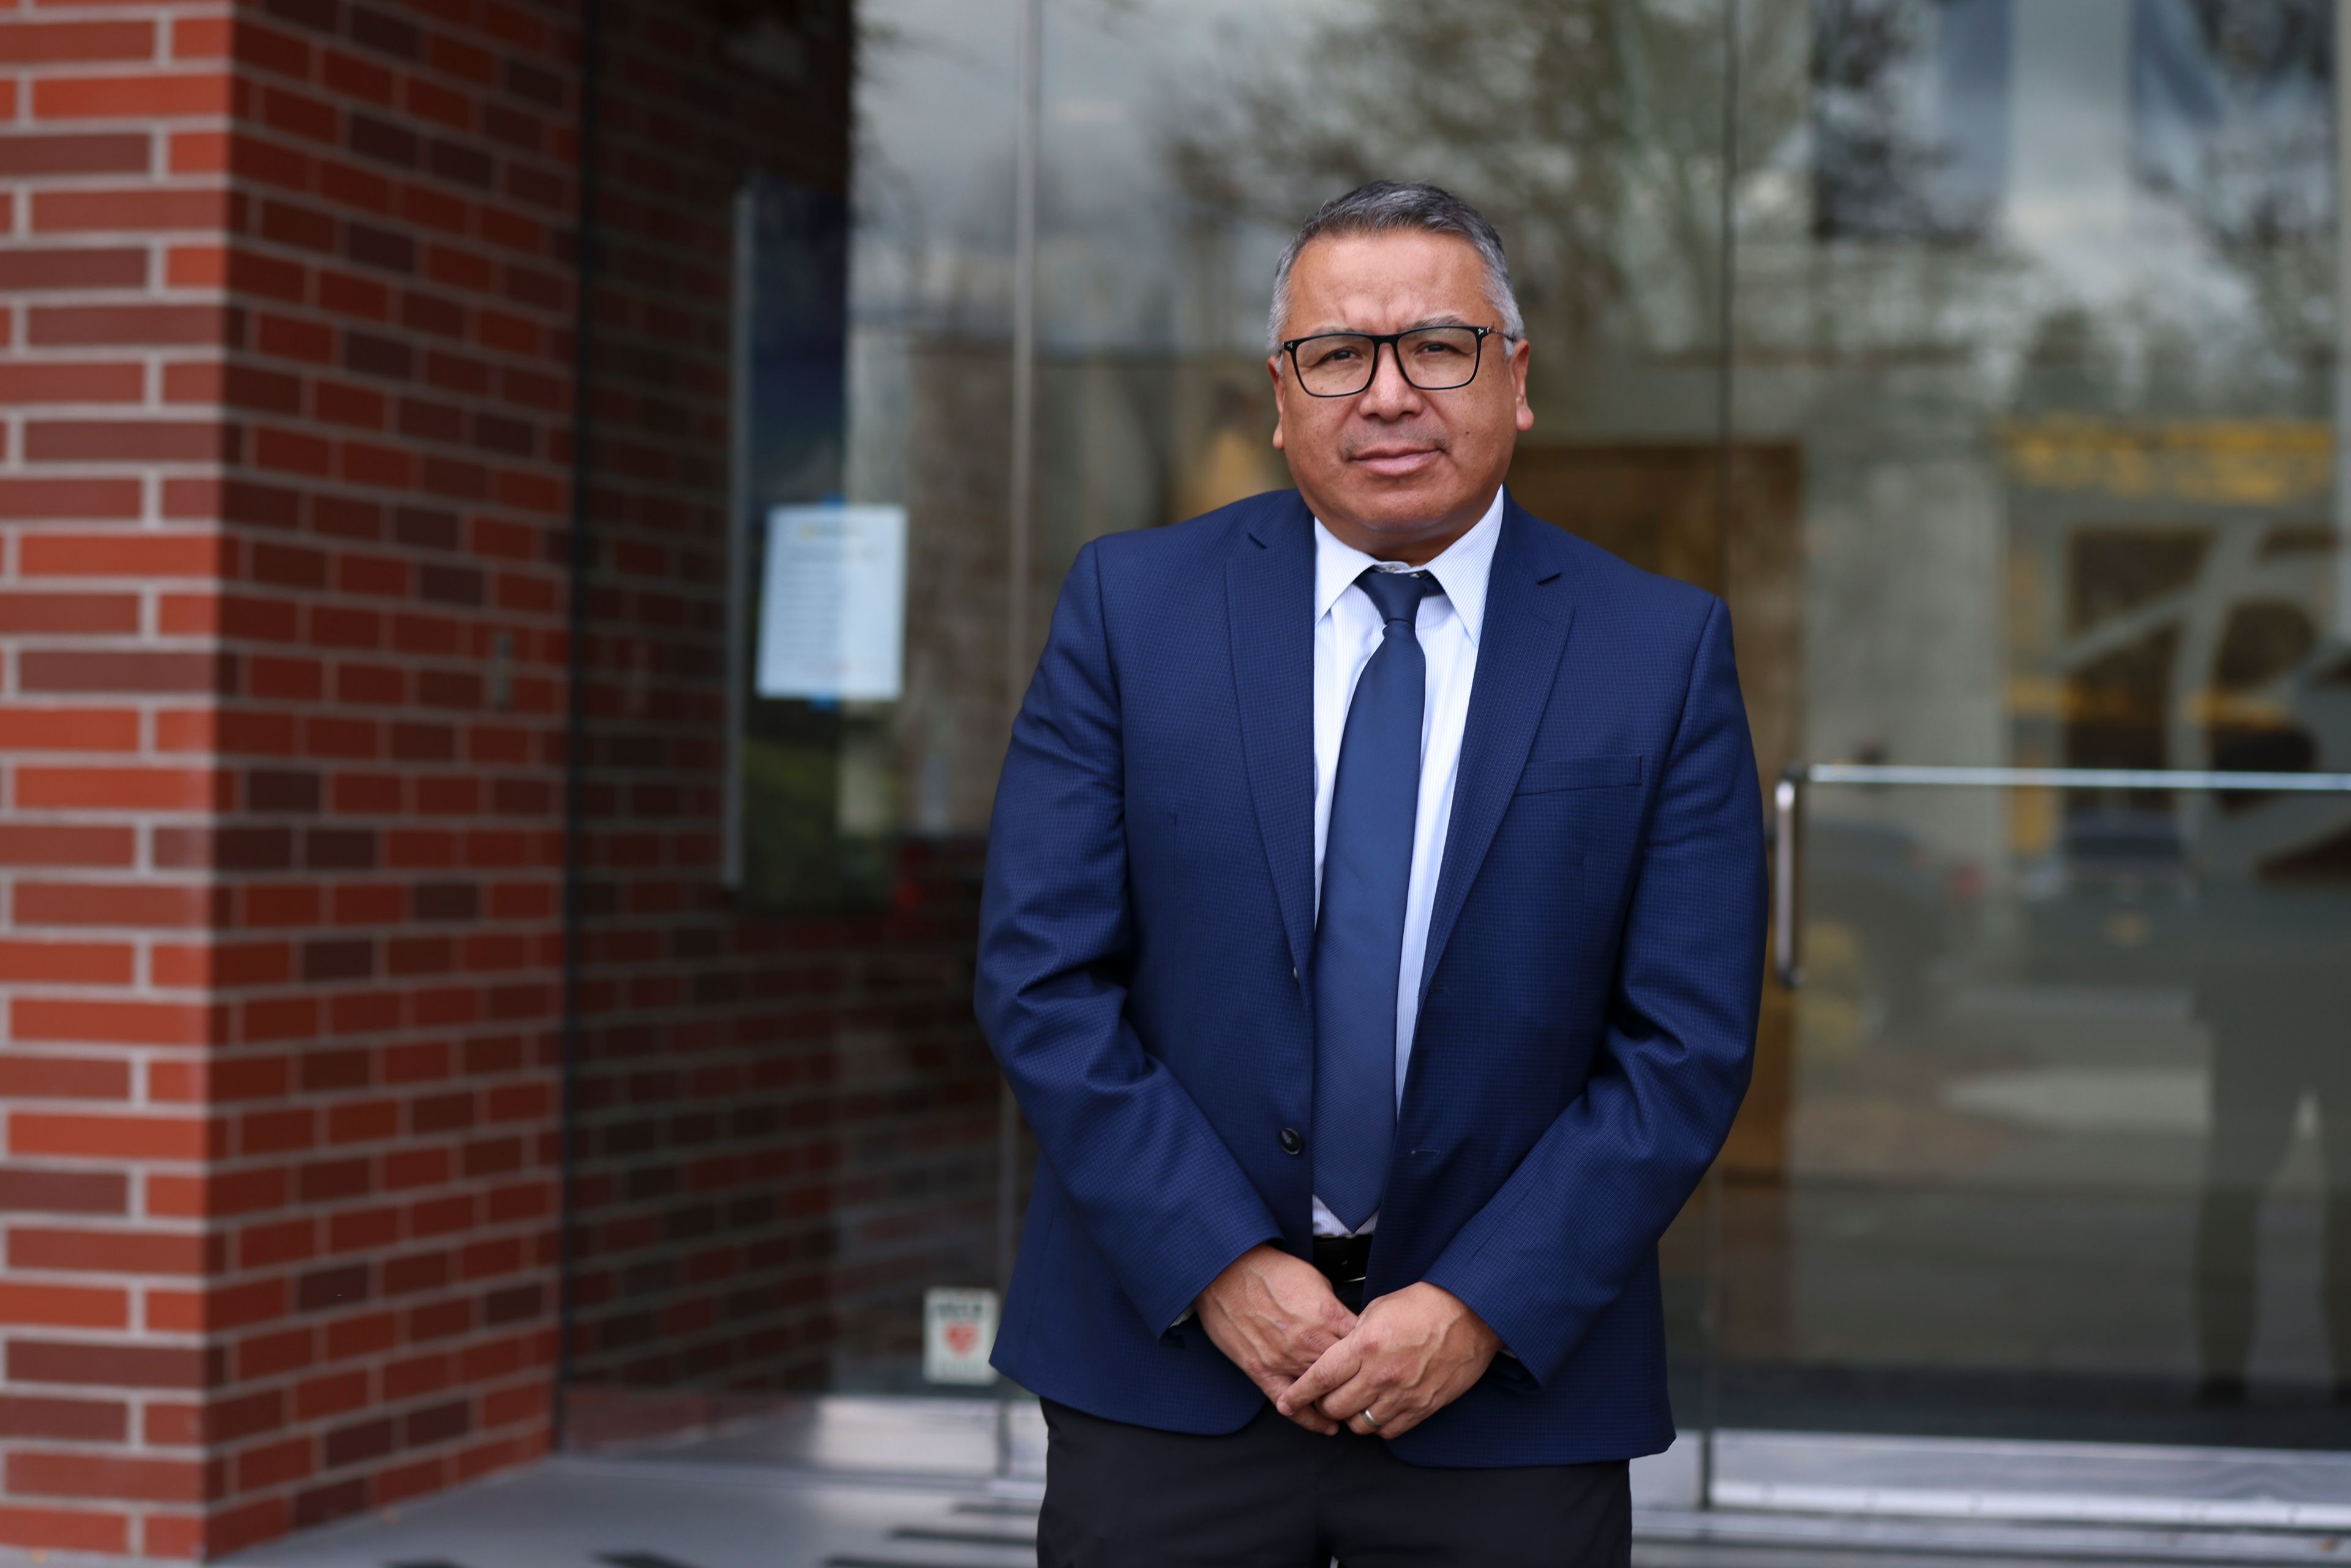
<point>1551,775</point>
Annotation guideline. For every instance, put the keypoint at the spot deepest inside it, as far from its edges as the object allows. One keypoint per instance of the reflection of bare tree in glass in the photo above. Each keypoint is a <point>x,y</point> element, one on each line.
<point>1591,132</point>
<point>1882,170</point>
<point>2233,102</point>
<point>2233,130</point>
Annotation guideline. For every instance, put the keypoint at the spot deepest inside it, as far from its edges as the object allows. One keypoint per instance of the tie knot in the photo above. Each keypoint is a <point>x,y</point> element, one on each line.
<point>1396,595</point>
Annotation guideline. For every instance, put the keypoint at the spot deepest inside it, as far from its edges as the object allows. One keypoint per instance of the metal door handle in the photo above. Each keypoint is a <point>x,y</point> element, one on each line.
<point>1788,877</point>
<point>1788,815</point>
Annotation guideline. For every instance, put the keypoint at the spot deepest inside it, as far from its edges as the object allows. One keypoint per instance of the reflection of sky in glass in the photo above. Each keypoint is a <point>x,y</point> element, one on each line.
<point>1124,262</point>
<point>2151,175</point>
<point>1932,116</point>
<point>931,246</point>
<point>2230,111</point>
<point>2165,166</point>
<point>1910,111</point>
<point>1140,252</point>
<point>937,110</point>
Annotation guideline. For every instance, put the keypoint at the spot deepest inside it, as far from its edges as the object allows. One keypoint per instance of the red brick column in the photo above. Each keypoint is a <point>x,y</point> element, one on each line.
<point>284,390</point>
<point>286,298</point>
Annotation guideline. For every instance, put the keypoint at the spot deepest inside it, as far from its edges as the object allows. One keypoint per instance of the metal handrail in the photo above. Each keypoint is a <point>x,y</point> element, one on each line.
<point>2070,777</point>
<point>1788,815</point>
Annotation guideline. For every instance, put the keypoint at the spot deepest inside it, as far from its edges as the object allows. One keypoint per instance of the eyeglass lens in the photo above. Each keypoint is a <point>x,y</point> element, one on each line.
<point>1434,358</point>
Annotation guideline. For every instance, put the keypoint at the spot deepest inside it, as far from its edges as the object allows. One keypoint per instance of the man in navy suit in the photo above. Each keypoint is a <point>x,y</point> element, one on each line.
<point>1372,935</point>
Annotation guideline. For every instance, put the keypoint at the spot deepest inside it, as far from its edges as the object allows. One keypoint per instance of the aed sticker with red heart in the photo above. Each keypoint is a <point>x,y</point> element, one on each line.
<point>958,1333</point>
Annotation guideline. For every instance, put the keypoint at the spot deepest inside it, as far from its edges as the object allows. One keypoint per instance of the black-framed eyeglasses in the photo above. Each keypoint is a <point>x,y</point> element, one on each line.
<point>1434,358</point>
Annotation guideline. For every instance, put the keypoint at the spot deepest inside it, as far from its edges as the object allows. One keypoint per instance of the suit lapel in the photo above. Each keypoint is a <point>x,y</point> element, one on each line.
<point>1527,617</point>
<point>1269,596</point>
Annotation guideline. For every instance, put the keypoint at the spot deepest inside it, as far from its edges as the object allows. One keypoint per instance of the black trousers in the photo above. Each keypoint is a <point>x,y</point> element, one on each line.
<point>1274,1495</point>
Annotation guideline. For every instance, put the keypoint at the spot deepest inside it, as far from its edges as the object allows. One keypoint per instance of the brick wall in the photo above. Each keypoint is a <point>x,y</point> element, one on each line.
<point>285,391</point>
<point>285,384</point>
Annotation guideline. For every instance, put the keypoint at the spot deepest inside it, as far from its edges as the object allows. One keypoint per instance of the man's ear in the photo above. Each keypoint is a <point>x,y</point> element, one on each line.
<point>1273,368</point>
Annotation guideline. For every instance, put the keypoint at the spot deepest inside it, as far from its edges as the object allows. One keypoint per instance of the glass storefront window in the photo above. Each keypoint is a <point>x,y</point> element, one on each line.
<point>1982,353</point>
<point>866,377</point>
<point>784,1124</point>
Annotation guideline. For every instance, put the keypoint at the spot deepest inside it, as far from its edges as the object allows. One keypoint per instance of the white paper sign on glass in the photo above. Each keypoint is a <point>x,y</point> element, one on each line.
<point>832,607</point>
<point>958,1333</point>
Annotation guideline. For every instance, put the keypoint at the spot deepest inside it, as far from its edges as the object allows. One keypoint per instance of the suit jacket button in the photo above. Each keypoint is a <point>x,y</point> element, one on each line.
<point>1291,1142</point>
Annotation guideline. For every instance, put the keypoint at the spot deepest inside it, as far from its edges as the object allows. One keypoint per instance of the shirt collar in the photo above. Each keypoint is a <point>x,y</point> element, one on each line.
<point>1461,570</point>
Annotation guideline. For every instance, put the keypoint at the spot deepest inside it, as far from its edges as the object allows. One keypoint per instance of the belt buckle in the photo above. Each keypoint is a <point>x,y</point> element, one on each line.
<point>1351,1260</point>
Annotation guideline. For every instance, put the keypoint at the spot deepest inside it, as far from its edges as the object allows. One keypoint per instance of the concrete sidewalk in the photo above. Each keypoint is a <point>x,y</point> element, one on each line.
<point>589,1514</point>
<point>854,1482</point>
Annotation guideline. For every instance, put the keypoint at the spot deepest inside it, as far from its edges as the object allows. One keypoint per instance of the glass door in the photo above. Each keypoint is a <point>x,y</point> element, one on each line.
<point>2036,305</point>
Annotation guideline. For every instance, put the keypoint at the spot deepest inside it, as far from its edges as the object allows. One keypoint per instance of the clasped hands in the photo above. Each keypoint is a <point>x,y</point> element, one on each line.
<point>1407,1356</point>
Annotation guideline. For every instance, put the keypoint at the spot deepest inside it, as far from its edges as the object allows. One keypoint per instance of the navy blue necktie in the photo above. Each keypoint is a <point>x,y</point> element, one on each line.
<point>1359,933</point>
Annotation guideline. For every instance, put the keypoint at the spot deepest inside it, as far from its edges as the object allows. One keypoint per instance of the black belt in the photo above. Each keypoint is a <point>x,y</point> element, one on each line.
<point>1343,1260</point>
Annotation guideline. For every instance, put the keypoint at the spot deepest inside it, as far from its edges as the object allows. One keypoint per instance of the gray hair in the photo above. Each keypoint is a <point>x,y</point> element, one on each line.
<point>1398,206</point>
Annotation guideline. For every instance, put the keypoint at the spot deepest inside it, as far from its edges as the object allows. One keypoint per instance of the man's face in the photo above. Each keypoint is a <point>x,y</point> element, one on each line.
<point>1397,472</point>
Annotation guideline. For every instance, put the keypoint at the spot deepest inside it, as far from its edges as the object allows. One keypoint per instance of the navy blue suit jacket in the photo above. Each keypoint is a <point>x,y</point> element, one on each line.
<point>1588,1000</point>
